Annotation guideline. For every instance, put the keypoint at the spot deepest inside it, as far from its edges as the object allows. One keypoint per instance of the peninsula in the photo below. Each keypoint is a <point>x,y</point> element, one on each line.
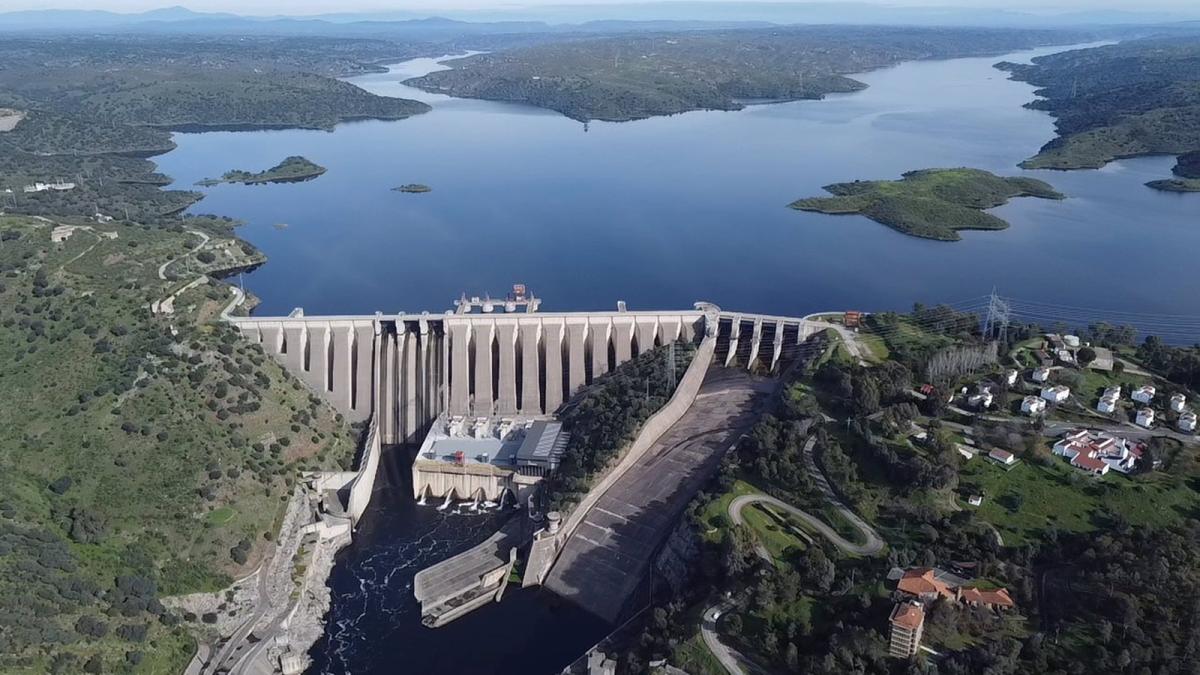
<point>1187,168</point>
<point>931,203</point>
<point>630,77</point>
<point>294,169</point>
<point>1124,100</point>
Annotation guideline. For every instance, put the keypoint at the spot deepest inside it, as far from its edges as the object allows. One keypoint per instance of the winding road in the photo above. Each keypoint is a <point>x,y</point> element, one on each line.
<point>873,543</point>
<point>731,659</point>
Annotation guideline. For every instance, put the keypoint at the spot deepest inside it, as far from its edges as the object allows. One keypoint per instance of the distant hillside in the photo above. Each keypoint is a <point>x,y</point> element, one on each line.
<point>1134,98</point>
<point>638,76</point>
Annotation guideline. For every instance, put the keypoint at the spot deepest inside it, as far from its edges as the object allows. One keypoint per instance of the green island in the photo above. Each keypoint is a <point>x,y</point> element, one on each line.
<point>930,203</point>
<point>631,77</point>
<point>1134,98</point>
<point>293,169</point>
<point>413,188</point>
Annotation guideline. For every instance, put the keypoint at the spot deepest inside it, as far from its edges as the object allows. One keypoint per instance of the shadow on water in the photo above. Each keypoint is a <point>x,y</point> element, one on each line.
<point>374,622</point>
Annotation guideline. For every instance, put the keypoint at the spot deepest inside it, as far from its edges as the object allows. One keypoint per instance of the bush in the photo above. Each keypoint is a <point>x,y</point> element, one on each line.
<point>61,485</point>
<point>91,627</point>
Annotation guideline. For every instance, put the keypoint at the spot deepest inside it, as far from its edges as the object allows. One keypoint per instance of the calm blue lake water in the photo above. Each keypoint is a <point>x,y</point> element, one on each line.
<point>666,211</point>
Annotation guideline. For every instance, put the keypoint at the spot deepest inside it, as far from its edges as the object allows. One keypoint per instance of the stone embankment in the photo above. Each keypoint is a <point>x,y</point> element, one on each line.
<point>267,621</point>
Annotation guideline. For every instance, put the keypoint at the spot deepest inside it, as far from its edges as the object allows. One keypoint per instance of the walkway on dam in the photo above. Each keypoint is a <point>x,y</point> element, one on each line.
<point>606,558</point>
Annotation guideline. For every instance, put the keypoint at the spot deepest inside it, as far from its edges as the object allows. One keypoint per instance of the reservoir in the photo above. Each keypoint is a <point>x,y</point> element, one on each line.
<point>660,213</point>
<point>666,211</point>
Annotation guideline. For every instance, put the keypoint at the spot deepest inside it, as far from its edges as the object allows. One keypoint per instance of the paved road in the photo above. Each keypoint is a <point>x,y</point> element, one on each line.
<point>872,546</point>
<point>731,660</point>
<point>162,269</point>
<point>239,296</point>
<point>606,558</point>
<point>874,542</point>
<point>852,340</point>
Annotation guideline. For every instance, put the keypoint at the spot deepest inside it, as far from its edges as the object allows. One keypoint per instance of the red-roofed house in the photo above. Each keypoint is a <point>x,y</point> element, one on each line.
<point>993,599</point>
<point>1096,453</point>
<point>923,583</point>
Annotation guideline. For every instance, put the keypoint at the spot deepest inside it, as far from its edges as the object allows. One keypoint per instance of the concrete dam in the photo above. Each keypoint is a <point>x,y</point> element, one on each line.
<point>404,371</point>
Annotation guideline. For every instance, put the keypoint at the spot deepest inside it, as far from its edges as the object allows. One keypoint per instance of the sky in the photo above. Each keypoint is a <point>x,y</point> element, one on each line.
<point>298,7</point>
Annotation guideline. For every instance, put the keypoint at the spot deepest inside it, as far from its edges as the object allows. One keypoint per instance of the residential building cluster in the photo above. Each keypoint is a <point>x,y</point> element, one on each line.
<point>1097,453</point>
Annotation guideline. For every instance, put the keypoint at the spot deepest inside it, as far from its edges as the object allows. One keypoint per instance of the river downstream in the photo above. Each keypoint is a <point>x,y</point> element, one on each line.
<point>660,213</point>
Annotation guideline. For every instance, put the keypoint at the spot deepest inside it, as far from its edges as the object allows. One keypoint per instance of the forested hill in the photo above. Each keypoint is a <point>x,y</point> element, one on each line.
<point>637,76</point>
<point>88,105</point>
<point>1134,98</point>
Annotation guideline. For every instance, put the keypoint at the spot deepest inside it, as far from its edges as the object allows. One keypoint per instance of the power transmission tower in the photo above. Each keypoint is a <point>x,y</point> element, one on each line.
<point>995,324</point>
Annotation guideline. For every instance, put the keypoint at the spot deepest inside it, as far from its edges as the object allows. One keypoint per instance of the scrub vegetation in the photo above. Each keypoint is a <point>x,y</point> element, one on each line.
<point>143,455</point>
<point>1140,97</point>
<point>933,203</point>
<point>291,170</point>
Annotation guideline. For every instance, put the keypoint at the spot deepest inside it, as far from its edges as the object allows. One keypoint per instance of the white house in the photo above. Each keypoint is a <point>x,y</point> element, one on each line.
<point>1041,374</point>
<point>1178,401</point>
<point>1002,457</point>
<point>1071,341</point>
<point>1107,404</point>
<point>1145,418</point>
<point>975,500</point>
<point>1113,392</point>
<point>1144,393</point>
<point>1056,394</point>
<point>1187,421</point>
<point>1032,405</point>
<point>1097,453</point>
<point>981,401</point>
<point>1010,376</point>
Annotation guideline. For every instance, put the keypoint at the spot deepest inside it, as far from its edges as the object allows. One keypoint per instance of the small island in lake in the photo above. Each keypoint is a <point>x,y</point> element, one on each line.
<point>294,169</point>
<point>413,188</point>
<point>931,203</point>
<point>1187,168</point>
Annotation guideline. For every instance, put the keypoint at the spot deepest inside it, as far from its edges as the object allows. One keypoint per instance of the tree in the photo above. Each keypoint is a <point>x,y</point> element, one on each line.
<point>1085,355</point>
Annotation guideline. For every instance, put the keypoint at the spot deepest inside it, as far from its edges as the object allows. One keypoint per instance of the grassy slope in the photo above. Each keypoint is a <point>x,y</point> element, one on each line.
<point>932,203</point>
<point>1058,496</point>
<point>167,472</point>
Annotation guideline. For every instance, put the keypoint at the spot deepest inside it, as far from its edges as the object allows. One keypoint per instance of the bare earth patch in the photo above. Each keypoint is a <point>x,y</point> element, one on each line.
<point>9,118</point>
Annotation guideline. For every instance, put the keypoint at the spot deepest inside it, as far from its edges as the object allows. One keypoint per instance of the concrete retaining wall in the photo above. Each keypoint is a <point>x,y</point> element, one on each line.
<point>363,484</point>
<point>656,426</point>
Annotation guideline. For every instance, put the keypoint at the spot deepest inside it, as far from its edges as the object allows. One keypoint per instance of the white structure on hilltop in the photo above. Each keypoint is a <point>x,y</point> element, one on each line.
<point>1041,374</point>
<point>1178,402</point>
<point>1144,393</point>
<point>1145,418</point>
<point>1107,404</point>
<point>1056,394</point>
<point>1010,376</point>
<point>42,187</point>
<point>1032,405</point>
<point>1096,453</point>
<point>1187,421</point>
